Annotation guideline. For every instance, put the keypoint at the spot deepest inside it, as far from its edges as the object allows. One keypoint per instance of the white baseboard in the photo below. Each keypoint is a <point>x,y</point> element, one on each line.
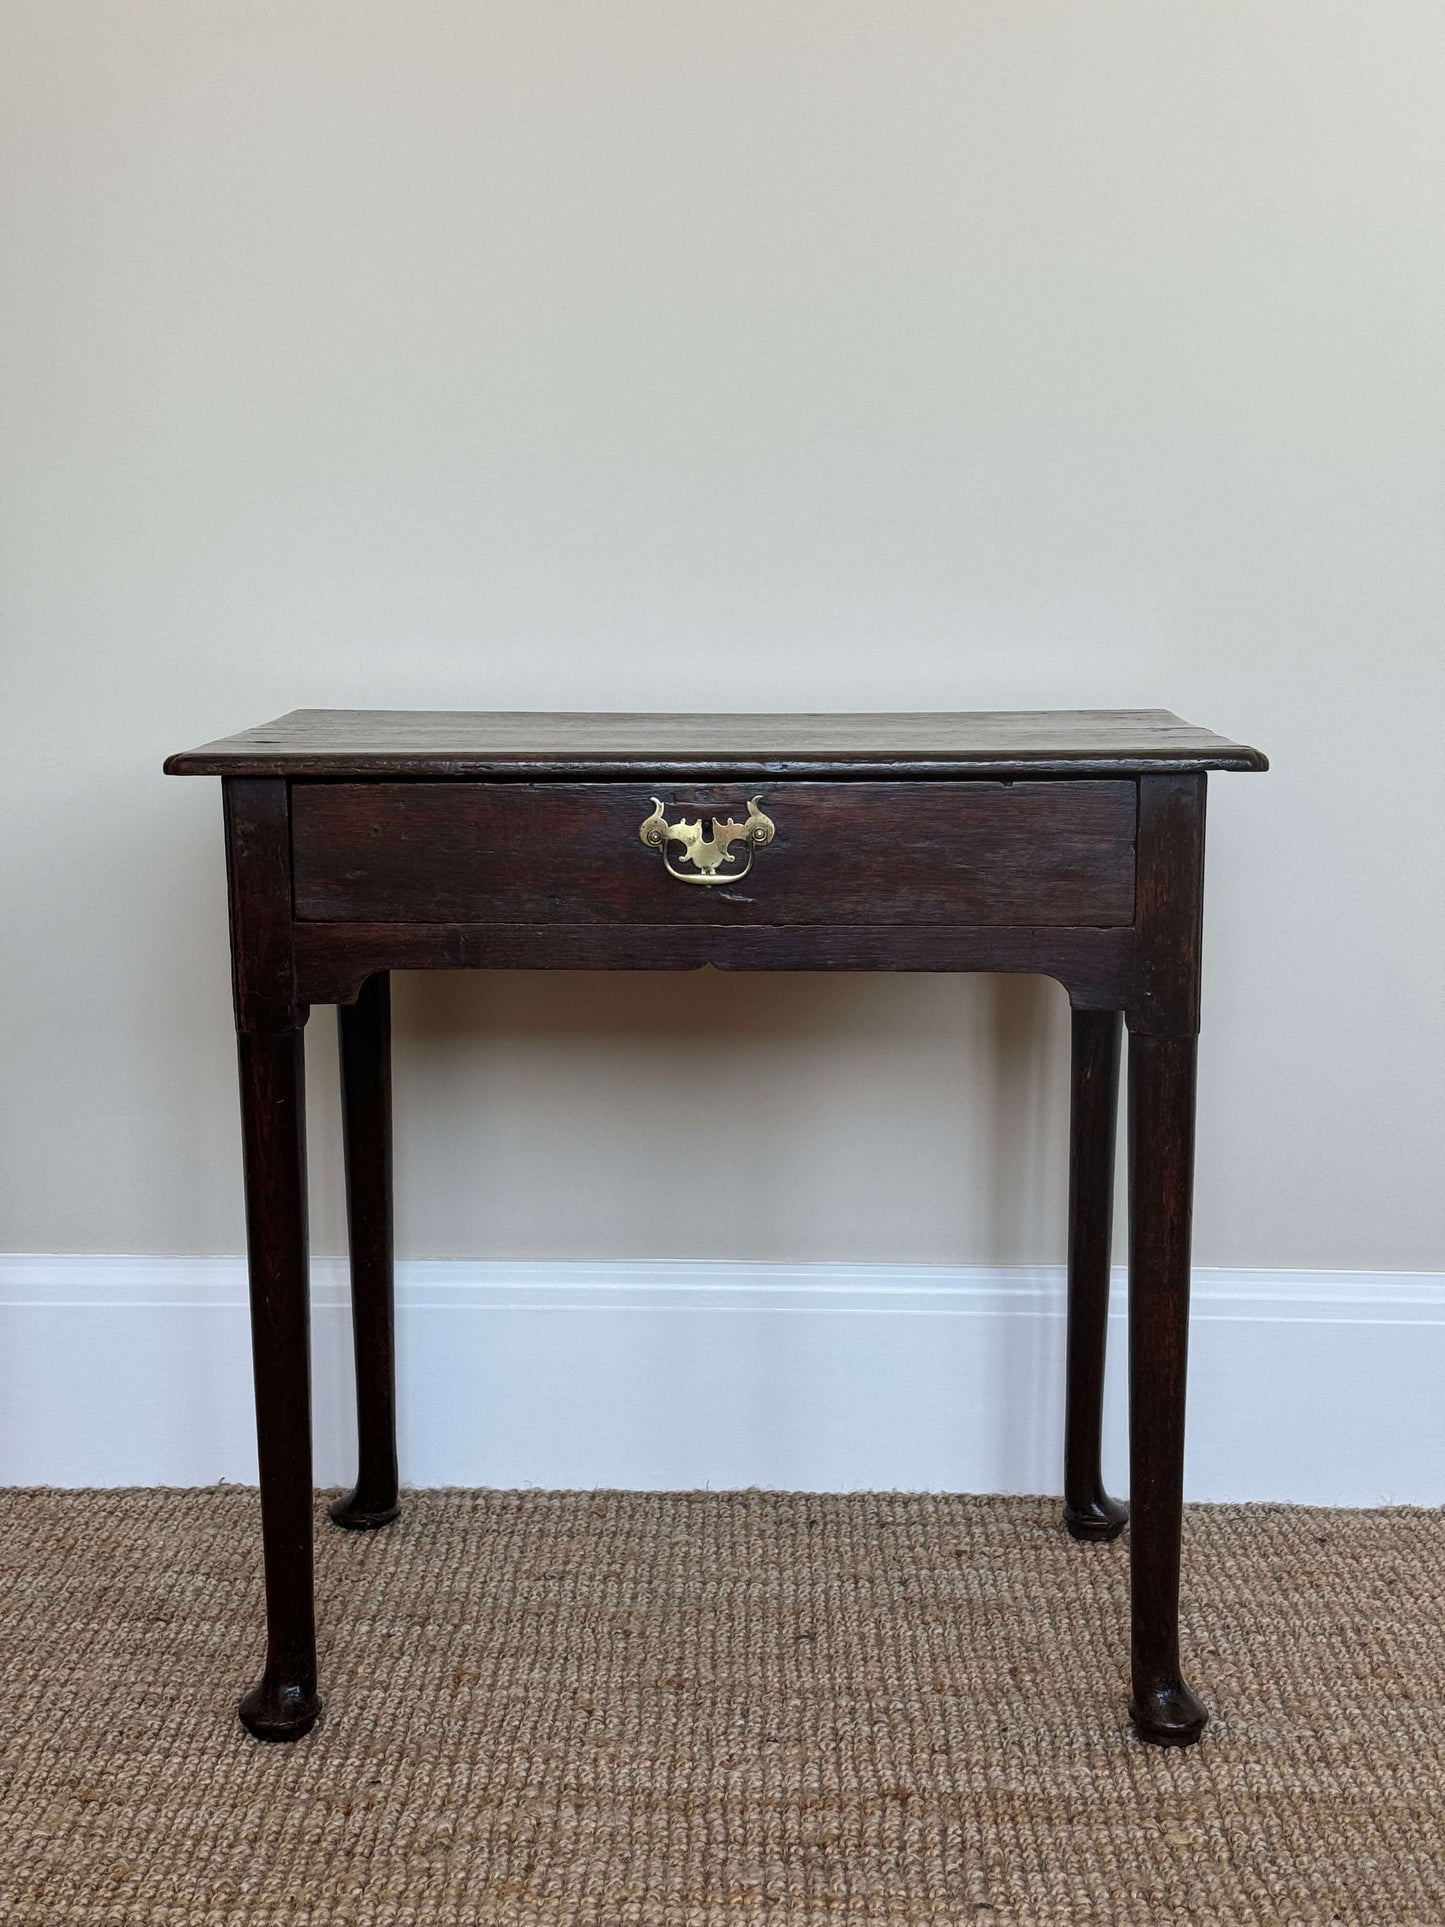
<point>1319,1387</point>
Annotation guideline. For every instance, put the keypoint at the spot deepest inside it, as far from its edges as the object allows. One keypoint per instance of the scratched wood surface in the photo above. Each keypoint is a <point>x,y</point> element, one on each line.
<point>521,743</point>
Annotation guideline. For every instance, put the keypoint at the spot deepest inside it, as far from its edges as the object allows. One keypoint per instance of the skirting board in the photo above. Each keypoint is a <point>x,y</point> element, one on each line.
<point>1321,1388</point>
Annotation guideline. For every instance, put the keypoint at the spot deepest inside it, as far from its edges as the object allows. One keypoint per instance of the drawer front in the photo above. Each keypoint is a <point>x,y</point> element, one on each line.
<point>1040,854</point>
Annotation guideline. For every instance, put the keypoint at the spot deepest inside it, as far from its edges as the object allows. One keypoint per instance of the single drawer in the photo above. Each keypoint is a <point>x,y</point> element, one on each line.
<point>1040,854</point>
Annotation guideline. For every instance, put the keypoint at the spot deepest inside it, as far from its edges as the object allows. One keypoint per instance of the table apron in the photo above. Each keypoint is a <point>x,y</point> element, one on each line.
<point>333,960</point>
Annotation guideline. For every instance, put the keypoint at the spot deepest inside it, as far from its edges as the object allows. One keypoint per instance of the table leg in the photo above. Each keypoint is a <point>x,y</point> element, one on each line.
<point>1161,1182</point>
<point>1089,1512</point>
<point>365,1038</point>
<point>273,1128</point>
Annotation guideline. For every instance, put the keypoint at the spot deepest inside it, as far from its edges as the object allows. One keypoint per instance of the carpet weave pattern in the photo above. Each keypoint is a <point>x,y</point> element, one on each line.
<point>699,1709</point>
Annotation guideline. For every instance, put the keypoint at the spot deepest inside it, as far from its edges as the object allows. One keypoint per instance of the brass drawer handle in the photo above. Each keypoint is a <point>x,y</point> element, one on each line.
<point>708,854</point>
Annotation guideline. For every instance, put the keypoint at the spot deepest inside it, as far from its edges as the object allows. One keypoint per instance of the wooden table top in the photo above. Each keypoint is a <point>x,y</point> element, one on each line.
<point>546,745</point>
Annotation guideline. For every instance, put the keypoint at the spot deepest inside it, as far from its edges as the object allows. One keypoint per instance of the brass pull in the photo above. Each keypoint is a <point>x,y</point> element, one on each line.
<point>708,854</point>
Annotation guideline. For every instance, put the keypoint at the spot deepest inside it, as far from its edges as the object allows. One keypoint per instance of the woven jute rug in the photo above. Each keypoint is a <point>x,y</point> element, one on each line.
<point>693,1709</point>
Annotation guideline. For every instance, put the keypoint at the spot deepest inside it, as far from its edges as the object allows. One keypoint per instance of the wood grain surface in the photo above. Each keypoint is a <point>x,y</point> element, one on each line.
<point>876,853</point>
<point>522,743</point>
<point>334,959</point>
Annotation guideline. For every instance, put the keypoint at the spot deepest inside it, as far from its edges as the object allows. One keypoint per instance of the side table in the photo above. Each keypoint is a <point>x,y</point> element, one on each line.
<point>1066,843</point>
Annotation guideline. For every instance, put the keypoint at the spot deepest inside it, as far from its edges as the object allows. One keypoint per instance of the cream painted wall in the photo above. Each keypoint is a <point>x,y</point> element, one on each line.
<point>748,355</point>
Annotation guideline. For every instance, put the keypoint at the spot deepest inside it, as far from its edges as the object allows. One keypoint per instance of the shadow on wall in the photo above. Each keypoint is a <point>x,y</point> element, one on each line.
<point>706,1114</point>
<point>753,1118</point>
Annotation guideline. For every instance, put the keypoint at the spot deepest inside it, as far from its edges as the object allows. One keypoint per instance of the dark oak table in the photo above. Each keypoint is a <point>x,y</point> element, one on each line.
<point>1071,844</point>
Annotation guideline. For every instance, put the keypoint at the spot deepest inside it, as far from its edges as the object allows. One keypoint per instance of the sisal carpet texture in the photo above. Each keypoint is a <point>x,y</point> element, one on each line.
<point>692,1709</point>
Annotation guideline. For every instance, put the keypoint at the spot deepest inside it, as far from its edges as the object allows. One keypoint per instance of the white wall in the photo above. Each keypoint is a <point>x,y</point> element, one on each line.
<point>927,354</point>
<point>1318,1388</point>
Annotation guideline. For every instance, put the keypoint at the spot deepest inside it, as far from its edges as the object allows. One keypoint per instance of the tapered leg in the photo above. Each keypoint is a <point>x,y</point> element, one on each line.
<point>1161,1184</point>
<point>273,1127</point>
<point>365,1038</point>
<point>1089,1512</point>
